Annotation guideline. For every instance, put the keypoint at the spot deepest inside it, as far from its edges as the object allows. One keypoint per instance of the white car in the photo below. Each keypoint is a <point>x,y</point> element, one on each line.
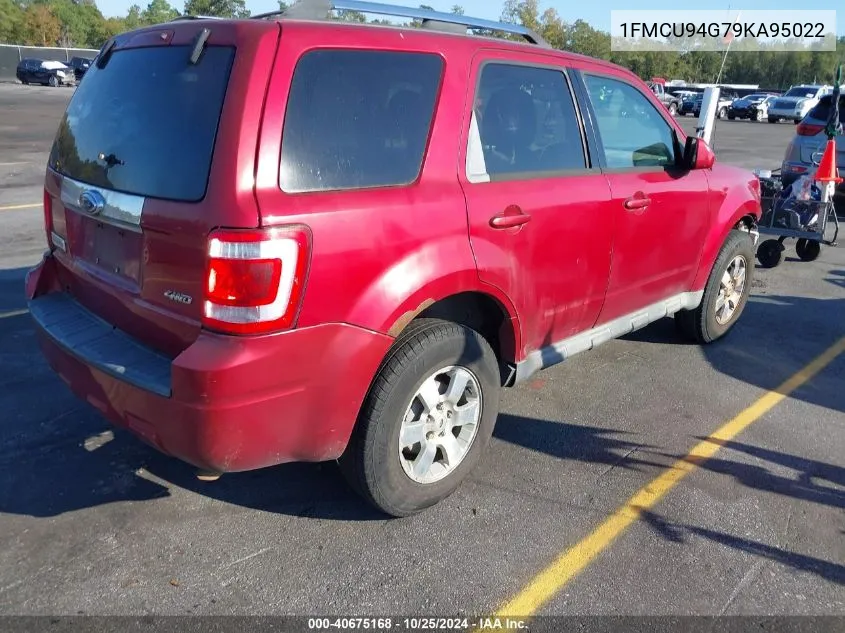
<point>796,102</point>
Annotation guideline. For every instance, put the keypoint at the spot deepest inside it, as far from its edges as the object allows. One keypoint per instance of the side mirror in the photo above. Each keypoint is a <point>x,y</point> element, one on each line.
<point>698,154</point>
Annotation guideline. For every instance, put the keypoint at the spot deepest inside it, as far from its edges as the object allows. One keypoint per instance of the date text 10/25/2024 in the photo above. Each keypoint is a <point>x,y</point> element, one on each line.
<point>417,624</point>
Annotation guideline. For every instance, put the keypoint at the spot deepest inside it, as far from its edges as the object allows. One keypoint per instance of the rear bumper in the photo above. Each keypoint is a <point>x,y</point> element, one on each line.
<point>225,403</point>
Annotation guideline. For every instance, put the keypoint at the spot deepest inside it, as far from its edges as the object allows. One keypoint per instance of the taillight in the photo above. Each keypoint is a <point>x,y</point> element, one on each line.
<point>808,129</point>
<point>254,279</point>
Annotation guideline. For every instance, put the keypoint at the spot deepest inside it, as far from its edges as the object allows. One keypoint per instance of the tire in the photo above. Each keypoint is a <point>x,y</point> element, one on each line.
<point>773,119</point>
<point>723,113</point>
<point>673,109</point>
<point>731,117</point>
<point>758,116</point>
<point>701,324</point>
<point>53,81</point>
<point>808,250</point>
<point>770,253</point>
<point>373,463</point>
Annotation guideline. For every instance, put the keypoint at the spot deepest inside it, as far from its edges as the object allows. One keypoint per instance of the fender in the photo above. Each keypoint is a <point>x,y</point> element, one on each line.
<point>732,203</point>
<point>433,272</point>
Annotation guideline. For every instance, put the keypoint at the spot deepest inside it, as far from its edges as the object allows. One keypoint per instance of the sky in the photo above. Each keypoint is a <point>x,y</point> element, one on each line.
<point>596,12</point>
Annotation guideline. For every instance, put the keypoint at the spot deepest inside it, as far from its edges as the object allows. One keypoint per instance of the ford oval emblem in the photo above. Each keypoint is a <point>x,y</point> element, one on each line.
<point>92,202</point>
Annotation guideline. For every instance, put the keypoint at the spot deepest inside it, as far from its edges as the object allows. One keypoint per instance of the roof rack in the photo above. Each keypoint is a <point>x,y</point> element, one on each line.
<point>196,17</point>
<point>319,10</point>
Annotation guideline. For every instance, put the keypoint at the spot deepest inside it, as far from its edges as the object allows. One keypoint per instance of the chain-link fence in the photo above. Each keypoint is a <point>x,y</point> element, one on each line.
<point>10,56</point>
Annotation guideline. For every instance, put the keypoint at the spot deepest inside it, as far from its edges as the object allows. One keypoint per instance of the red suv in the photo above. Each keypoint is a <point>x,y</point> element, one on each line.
<point>299,239</point>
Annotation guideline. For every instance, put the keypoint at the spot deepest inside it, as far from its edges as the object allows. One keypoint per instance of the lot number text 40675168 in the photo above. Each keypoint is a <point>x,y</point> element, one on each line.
<point>416,624</point>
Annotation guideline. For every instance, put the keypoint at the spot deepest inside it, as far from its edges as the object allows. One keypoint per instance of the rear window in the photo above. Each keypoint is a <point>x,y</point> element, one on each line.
<point>146,123</point>
<point>821,111</point>
<point>358,119</point>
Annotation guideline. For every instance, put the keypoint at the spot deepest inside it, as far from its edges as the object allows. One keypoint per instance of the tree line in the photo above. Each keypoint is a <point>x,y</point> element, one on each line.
<point>80,24</point>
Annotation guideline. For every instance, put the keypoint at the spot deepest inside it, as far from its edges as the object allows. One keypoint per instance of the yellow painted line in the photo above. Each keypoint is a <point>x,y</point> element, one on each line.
<point>13,313</point>
<point>553,578</point>
<point>12,207</point>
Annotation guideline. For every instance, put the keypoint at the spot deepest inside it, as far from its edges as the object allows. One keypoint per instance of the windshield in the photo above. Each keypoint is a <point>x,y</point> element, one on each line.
<point>146,123</point>
<point>801,92</point>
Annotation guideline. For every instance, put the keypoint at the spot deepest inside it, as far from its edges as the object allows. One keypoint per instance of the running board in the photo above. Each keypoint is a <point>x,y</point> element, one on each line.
<point>585,341</point>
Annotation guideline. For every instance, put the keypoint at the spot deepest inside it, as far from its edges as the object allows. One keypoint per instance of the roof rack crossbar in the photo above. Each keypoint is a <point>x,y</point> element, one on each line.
<point>319,9</point>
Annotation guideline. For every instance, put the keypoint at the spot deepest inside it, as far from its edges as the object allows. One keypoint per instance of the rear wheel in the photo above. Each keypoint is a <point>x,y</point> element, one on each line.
<point>725,294</point>
<point>808,250</point>
<point>773,119</point>
<point>723,113</point>
<point>427,419</point>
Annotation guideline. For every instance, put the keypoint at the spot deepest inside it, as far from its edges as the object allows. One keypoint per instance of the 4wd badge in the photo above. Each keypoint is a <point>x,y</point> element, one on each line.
<point>179,297</point>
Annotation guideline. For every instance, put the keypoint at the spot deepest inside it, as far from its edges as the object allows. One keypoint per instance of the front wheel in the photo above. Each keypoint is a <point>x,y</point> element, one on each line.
<point>723,112</point>
<point>673,109</point>
<point>770,253</point>
<point>427,418</point>
<point>725,294</point>
<point>53,81</point>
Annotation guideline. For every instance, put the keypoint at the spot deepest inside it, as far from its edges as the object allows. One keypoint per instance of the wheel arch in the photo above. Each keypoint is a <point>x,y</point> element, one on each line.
<point>483,310</point>
<point>744,217</point>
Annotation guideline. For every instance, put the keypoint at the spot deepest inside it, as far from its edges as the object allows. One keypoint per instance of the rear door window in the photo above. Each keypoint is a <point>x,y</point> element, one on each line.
<point>358,119</point>
<point>527,122</point>
<point>146,123</point>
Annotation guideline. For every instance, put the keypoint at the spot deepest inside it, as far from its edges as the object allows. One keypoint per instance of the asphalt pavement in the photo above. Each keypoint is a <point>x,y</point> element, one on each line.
<point>94,522</point>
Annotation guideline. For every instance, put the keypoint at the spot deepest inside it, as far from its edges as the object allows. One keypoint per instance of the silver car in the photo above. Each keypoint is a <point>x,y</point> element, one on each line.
<point>806,147</point>
<point>796,102</point>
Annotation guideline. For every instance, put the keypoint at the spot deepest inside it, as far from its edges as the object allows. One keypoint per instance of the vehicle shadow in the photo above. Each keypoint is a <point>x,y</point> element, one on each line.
<point>12,296</point>
<point>776,337</point>
<point>576,442</point>
<point>58,454</point>
<point>680,532</point>
<point>803,486</point>
<point>837,278</point>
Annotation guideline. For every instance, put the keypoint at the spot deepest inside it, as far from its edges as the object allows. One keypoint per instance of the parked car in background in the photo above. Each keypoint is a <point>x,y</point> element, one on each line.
<point>46,72</point>
<point>395,262</point>
<point>796,102</point>
<point>694,105</point>
<point>810,140</point>
<point>79,66</point>
<point>753,107</point>
<point>672,103</point>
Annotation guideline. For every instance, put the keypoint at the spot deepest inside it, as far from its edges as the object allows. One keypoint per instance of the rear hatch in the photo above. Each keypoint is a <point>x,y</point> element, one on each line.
<point>157,148</point>
<point>813,125</point>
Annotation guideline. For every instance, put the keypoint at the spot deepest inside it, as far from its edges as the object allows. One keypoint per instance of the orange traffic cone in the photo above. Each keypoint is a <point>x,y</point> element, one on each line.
<point>827,167</point>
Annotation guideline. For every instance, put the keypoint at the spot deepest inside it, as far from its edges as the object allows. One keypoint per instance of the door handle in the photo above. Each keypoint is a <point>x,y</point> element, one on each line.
<point>510,218</point>
<point>637,201</point>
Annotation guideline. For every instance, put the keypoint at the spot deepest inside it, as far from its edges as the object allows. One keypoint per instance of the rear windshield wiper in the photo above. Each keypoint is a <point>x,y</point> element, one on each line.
<point>199,46</point>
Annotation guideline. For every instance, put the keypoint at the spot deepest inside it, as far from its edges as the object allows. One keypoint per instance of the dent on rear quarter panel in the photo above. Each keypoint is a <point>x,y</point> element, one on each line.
<point>733,196</point>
